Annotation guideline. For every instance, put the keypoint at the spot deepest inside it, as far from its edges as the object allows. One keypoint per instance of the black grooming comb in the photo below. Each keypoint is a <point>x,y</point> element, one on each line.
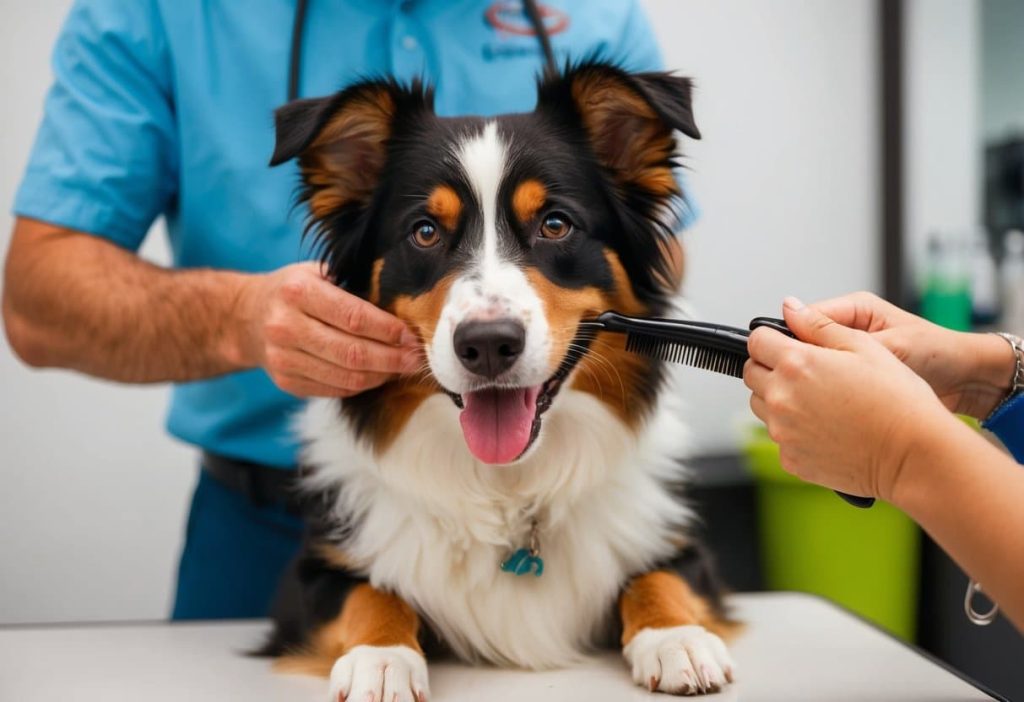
<point>713,347</point>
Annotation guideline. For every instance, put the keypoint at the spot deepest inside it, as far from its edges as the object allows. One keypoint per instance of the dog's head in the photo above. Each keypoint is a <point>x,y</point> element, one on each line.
<point>493,238</point>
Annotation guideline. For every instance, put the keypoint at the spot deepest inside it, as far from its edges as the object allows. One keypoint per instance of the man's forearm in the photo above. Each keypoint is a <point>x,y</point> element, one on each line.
<point>72,300</point>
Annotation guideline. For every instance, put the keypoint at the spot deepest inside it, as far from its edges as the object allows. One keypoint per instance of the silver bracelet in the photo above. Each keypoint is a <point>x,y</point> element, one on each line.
<point>1017,384</point>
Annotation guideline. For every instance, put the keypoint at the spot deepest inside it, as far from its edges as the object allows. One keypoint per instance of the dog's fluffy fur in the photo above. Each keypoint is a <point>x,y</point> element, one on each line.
<point>537,220</point>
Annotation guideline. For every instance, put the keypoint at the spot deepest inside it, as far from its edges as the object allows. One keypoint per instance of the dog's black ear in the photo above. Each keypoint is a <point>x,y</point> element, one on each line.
<point>671,97</point>
<point>629,119</point>
<point>296,125</point>
<point>341,141</point>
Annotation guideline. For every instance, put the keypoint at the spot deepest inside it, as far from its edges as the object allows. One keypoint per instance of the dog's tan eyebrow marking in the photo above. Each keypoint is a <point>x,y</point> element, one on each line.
<point>528,198</point>
<point>445,206</point>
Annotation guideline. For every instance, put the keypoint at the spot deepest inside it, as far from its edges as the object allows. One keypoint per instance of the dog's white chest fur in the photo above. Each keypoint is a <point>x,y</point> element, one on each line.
<point>433,524</point>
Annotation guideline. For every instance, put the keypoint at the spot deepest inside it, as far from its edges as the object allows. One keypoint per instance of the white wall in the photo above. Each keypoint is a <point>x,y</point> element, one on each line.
<point>786,173</point>
<point>93,494</point>
<point>942,152</point>
<point>1002,35</point>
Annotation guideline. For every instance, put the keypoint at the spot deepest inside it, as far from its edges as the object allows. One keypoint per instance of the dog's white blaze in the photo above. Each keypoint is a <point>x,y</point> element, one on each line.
<point>483,158</point>
<point>434,523</point>
<point>492,288</point>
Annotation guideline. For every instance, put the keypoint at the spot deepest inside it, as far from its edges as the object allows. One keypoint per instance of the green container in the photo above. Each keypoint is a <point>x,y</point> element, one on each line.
<point>947,304</point>
<point>812,541</point>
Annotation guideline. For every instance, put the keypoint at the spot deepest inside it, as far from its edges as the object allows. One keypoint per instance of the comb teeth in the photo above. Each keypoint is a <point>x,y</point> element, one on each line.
<point>696,356</point>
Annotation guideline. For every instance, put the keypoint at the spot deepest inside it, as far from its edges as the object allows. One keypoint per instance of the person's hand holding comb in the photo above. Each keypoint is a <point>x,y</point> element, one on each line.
<point>844,410</point>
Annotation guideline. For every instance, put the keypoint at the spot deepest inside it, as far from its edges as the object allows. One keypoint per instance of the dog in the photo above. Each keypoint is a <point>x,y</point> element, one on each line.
<point>515,502</point>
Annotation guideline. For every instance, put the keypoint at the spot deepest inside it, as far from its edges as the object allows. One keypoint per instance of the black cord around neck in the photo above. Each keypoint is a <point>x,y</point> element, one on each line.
<point>533,14</point>
<point>299,25</point>
<point>295,59</point>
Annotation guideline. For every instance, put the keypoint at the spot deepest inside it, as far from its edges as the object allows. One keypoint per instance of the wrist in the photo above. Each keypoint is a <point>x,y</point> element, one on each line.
<point>932,449</point>
<point>239,342</point>
<point>988,375</point>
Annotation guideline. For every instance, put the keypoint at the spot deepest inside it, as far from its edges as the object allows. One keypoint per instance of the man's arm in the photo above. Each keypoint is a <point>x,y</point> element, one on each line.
<point>73,300</point>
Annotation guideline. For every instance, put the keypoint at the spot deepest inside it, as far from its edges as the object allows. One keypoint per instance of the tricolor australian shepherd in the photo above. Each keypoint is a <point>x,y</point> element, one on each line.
<point>515,501</point>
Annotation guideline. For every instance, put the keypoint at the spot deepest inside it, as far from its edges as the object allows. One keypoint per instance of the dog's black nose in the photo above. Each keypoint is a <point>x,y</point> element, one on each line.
<point>489,348</point>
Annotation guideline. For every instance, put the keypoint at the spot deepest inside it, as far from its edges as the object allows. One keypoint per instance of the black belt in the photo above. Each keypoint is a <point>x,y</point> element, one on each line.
<point>262,485</point>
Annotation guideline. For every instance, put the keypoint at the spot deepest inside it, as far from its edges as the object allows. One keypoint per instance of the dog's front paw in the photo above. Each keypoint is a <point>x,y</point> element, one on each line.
<point>380,674</point>
<point>682,660</point>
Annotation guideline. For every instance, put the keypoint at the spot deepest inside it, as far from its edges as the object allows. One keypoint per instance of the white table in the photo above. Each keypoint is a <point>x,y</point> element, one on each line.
<point>795,647</point>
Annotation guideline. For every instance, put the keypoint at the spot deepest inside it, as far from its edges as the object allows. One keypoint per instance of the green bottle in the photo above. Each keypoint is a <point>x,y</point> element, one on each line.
<point>946,293</point>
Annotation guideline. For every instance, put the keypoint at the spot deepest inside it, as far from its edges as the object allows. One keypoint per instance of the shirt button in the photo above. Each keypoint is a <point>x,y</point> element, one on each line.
<point>409,43</point>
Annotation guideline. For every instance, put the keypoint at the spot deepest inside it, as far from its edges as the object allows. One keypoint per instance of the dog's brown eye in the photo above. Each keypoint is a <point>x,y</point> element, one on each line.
<point>425,235</point>
<point>555,226</point>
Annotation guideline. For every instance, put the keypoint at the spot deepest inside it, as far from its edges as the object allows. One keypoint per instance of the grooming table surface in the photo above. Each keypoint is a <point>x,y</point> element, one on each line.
<point>794,647</point>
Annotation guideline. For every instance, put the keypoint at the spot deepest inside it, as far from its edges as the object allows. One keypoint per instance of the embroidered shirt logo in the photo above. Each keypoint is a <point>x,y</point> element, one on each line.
<point>515,35</point>
<point>509,17</point>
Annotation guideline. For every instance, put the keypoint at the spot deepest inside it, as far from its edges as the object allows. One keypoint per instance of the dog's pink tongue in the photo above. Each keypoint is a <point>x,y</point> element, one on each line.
<point>497,422</point>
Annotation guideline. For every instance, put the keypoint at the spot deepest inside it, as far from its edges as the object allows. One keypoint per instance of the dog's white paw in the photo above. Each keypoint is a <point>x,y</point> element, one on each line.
<point>380,674</point>
<point>681,660</point>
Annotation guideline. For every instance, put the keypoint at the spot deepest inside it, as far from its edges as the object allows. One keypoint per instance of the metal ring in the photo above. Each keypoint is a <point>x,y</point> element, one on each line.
<point>975,617</point>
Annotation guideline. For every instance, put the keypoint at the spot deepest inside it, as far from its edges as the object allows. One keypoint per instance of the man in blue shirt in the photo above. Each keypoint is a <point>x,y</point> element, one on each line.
<point>163,107</point>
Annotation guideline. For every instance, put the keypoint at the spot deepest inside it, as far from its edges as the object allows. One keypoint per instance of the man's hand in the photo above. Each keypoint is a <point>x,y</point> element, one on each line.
<point>74,300</point>
<point>315,339</point>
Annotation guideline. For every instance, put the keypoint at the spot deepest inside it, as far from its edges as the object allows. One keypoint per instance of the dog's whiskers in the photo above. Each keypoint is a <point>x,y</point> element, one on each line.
<point>614,367</point>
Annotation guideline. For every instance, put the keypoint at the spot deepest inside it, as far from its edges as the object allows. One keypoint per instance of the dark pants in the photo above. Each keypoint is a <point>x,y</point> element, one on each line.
<point>235,553</point>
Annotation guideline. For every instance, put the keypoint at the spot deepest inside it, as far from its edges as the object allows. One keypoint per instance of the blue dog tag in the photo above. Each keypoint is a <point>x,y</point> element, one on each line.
<point>521,563</point>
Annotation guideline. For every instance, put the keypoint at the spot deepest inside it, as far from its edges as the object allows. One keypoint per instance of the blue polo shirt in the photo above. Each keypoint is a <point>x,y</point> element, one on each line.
<point>164,108</point>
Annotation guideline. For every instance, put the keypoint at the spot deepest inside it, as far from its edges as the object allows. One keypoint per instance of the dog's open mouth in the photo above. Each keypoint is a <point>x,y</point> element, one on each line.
<point>500,424</point>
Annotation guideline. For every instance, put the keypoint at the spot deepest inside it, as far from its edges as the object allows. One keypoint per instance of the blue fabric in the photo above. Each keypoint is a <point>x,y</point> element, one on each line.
<point>234,554</point>
<point>164,107</point>
<point>1007,422</point>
